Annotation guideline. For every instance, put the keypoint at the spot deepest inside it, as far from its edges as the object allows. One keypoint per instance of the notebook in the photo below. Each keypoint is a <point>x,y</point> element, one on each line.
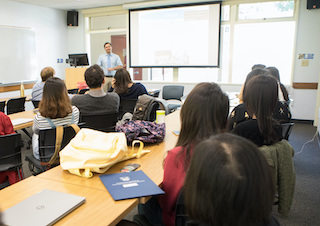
<point>44,208</point>
<point>130,185</point>
<point>19,121</point>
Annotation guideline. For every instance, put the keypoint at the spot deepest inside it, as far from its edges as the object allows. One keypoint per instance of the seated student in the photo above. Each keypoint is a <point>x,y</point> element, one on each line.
<point>37,89</point>
<point>239,114</point>
<point>261,97</point>
<point>204,113</point>
<point>258,66</point>
<point>6,127</point>
<point>124,87</point>
<point>283,93</point>
<point>96,102</point>
<point>54,110</point>
<point>229,183</point>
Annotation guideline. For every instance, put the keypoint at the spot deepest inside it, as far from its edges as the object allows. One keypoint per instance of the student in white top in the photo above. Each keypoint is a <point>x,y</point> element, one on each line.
<point>37,89</point>
<point>54,110</point>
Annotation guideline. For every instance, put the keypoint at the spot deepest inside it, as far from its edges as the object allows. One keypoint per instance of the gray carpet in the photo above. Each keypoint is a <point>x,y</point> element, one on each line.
<point>305,209</point>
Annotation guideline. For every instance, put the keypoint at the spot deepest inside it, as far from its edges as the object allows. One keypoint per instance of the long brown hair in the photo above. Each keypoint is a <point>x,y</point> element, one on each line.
<point>55,101</point>
<point>229,183</point>
<point>203,114</point>
<point>261,97</point>
<point>123,79</point>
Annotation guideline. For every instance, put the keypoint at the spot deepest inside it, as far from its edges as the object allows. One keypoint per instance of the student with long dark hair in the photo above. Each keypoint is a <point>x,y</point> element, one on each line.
<point>124,87</point>
<point>54,110</point>
<point>283,93</point>
<point>203,114</point>
<point>260,97</point>
<point>229,183</point>
<point>239,114</point>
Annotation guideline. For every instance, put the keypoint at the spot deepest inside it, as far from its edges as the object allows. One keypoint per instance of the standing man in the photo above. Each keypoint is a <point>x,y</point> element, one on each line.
<point>109,63</point>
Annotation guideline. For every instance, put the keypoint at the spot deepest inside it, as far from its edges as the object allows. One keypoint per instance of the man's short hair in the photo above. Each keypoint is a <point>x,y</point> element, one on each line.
<point>106,44</point>
<point>94,76</point>
<point>46,73</point>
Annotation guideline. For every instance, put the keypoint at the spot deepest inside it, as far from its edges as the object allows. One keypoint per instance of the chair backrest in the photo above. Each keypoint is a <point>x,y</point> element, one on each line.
<point>105,123</point>
<point>2,105</point>
<point>172,92</point>
<point>83,91</point>
<point>16,105</point>
<point>10,152</point>
<point>126,105</point>
<point>73,91</point>
<point>286,130</point>
<point>182,217</point>
<point>47,141</point>
<point>35,103</point>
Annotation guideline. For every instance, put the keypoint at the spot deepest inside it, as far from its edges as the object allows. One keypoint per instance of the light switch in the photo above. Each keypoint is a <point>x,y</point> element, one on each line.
<point>305,63</point>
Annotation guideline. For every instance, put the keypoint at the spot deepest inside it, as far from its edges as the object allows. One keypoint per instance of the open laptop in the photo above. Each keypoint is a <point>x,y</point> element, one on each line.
<point>44,208</point>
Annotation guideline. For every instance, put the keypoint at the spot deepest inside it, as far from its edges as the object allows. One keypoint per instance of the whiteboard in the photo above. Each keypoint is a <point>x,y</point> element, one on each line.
<point>17,55</point>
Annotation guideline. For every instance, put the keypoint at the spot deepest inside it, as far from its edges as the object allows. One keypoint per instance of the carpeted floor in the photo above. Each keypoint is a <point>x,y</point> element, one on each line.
<point>305,209</point>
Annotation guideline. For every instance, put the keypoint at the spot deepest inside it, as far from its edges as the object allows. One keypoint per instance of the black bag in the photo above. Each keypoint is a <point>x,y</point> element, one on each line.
<point>146,108</point>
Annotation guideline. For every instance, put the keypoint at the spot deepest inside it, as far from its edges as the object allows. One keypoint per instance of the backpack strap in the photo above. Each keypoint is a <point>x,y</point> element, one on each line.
<point>59,137</point>
<point>50,123</point>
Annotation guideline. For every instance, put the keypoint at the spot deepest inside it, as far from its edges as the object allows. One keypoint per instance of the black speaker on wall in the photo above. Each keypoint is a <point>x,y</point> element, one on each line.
<point>313,4</point>
<point>72,18</point>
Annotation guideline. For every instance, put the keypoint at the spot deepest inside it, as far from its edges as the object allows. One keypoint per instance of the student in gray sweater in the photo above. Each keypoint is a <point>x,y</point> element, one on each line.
<point>96,102</point>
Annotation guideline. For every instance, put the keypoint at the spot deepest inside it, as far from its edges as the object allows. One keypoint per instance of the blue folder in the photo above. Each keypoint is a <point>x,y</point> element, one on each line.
<point>130,185</point>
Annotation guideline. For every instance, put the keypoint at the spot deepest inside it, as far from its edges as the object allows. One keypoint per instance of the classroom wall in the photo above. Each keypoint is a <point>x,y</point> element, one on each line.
<point>50,30</point>
<point>307,41</point>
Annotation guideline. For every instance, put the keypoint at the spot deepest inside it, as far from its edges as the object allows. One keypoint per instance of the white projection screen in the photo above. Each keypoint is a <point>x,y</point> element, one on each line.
<point>175,36</point>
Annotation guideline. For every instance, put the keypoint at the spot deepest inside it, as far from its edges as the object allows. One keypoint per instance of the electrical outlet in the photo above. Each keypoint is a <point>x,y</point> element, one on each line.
<point>305,63</point>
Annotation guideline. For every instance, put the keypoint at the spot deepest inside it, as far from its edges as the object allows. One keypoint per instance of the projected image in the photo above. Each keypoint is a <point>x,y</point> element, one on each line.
<point>177,37</point>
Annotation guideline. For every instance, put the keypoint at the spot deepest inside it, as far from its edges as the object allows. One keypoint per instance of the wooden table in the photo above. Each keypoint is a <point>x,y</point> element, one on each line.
<point>28,98</point>
<point>151,163</point>
<point>99,208</point>
<point>24,114</point>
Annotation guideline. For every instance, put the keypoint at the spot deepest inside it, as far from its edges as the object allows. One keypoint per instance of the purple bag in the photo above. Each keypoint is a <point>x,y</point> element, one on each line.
<point>145,131</point>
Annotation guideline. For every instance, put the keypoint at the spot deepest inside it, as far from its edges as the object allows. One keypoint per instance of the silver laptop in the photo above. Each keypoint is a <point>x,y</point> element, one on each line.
<point>43,208</point>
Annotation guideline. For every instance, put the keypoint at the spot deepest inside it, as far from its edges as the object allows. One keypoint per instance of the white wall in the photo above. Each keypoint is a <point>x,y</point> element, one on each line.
<point>50,30</point>
<point>308,41</point>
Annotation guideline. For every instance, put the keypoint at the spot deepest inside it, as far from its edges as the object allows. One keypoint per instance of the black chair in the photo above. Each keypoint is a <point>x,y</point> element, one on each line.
<point>47,146</point>
<point>73,91</point>
<point>154,92</point>
<point>2,105</point>
<point>182,217</point>
<point>10,154</point>
<point>35,103</point>
<point>16,105</point>
<point>83,91</point>
<point>286,130</point>
<point>104,123</point>
<point>126,105</point>
<point>173,94</point>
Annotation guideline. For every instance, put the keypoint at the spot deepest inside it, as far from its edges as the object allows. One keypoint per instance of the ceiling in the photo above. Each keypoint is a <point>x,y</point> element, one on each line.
<point>76,4</point>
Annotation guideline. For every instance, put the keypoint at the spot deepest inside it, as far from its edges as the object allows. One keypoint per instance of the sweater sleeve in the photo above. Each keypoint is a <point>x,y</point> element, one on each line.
<point>8,127</point>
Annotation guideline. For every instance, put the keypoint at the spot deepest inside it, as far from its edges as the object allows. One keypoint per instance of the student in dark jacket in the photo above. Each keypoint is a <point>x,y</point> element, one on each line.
<point>261,97</point>
<point>229,183</point>
<point>124,87</point>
